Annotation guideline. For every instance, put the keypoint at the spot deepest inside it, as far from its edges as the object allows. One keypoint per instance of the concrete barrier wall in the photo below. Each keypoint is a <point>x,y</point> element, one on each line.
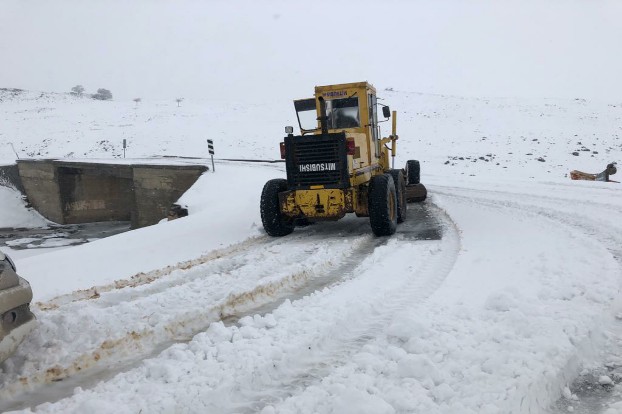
<point>90,192</point>
<point>78,192</point>
<point>40,182</point>
<point>157,187</point>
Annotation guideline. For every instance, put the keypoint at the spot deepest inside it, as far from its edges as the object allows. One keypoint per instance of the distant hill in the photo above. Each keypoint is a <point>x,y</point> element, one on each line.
<point>450,135</point>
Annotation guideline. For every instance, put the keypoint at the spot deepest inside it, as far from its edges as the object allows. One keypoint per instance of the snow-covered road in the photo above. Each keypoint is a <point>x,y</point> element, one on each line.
<point>156,309</point>
<point>490,298</point>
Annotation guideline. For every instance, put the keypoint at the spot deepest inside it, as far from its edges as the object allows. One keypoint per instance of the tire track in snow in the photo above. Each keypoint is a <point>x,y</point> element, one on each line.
<point>189,308</point>
<point>556,209</point>
<point>592,398</point>
<point>140,279</point>
<point>146,278</point>
<point>126,351</point>
<point>336,345</point>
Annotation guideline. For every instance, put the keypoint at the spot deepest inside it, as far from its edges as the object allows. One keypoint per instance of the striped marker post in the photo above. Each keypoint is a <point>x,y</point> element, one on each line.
<point>210,147</point>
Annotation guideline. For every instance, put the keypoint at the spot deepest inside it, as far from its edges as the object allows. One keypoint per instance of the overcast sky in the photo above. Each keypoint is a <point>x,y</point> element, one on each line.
<point>168,49</point>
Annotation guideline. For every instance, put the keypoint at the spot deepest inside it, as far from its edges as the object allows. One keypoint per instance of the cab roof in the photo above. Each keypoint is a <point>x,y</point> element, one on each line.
<point>345,86</point>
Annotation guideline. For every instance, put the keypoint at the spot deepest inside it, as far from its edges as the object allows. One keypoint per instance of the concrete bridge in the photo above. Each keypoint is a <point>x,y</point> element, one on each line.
<point>69,192</point>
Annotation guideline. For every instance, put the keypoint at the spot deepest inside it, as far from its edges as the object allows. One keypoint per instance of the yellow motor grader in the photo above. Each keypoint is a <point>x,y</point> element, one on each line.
<point>340,164</point>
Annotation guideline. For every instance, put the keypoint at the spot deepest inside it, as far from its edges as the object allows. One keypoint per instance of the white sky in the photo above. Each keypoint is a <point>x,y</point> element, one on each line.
<point>164,50</point>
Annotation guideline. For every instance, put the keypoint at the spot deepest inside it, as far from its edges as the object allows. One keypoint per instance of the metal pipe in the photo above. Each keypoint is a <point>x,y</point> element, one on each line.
<point>393,139</point>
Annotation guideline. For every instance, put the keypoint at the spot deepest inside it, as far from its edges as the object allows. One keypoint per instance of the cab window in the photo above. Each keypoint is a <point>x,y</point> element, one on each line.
<point>343,113</point>
<point>306,113</point>
<point>373,121</point>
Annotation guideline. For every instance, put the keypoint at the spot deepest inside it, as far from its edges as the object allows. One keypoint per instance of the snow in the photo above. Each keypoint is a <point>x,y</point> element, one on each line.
<point>506,312</point>
<point>14,211</point>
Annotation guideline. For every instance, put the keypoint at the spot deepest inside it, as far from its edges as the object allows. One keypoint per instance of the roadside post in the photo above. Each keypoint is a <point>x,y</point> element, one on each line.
<point>210,147</point>
<point>124,146</point>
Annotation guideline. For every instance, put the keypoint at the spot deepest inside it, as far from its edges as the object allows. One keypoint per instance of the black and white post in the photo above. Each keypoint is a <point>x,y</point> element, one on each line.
<point>124,146</point>
<point>210,147</point>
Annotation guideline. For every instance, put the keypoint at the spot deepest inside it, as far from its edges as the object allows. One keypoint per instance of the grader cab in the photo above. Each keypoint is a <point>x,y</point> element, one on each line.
<point>340,164</point>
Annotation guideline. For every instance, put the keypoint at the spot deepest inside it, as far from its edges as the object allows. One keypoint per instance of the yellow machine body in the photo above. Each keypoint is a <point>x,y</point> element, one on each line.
<point>367,152</point>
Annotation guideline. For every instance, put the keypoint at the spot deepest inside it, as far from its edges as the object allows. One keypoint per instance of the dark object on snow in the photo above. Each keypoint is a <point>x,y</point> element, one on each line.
<point>176,211</point>
<point>603,176</point>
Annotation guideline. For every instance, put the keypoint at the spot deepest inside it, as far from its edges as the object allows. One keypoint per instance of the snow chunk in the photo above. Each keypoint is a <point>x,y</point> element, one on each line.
<point>418,367</point>
<point>219,333</point>
<point>406,328</point>
<point>354,401</point>
<point>500,302</point>
<point>615,408</point>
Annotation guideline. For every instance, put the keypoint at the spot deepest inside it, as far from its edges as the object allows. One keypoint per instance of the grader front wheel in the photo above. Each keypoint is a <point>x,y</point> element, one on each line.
<point>273,221</point>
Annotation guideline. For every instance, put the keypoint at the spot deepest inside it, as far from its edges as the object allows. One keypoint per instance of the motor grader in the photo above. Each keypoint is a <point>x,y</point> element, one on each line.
<point>340,164</point>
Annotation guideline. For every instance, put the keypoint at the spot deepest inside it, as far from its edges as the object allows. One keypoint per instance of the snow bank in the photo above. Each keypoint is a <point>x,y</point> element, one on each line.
<point>14,213</point>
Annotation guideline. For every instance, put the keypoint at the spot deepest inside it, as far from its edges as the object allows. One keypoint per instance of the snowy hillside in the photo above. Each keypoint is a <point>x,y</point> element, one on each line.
<point>522,138</point>
<point>44,125</point>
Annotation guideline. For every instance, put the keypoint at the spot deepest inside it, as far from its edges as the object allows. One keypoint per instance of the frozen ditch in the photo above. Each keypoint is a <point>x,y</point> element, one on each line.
<point>59,235</point>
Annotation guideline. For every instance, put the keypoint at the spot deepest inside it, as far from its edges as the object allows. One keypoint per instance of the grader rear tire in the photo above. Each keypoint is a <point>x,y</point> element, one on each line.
<point>382,205</point>
<point>400,190</point>
<point>413,171</point>
<point>274,222</point>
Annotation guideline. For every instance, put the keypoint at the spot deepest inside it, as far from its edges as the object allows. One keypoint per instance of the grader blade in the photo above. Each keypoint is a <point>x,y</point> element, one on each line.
<point>416,193</point>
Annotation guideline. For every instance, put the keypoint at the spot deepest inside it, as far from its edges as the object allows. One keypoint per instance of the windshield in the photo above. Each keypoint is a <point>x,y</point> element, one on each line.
<point>307,116</point>
<point>343,113</point>
<point>340,113</point>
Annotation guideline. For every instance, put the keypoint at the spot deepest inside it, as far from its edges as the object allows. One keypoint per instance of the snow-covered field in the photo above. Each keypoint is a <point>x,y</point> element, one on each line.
<point>499,294</point>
